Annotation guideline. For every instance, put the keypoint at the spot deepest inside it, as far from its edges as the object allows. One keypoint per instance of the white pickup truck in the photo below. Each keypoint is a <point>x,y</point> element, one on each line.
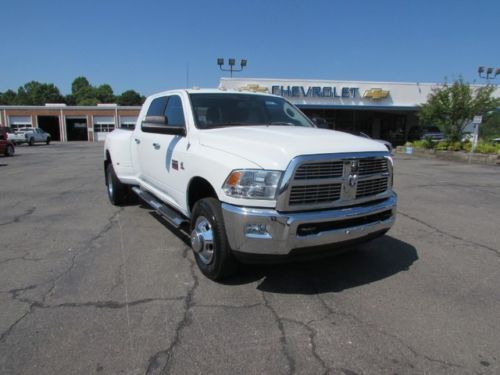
<point>30,136</point>
<point>250,177</point>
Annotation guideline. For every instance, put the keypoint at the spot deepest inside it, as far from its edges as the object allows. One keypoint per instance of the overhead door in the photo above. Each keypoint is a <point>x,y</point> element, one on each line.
<point>128,122</point>
<point>17,122</point>
<point>102,126</point>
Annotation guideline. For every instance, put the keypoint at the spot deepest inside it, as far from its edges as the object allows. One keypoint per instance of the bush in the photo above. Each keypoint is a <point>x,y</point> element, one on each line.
<point>428,143</point>
<point>487,148</point>
<point>442,145</point>
<point>454,146</point>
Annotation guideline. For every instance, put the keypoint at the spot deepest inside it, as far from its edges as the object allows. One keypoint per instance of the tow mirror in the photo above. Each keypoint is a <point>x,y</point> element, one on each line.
<point>159,124</point>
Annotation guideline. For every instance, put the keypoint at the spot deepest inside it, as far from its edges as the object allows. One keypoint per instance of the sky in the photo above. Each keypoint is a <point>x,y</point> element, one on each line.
<point>151,46</point>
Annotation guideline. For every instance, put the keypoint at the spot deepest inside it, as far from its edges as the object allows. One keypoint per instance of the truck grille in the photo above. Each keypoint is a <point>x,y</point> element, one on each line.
<point>328,181</point>
<point>371,187</point>
<point>329,169</point>
<point>313,194</point>
<point>372,166</point>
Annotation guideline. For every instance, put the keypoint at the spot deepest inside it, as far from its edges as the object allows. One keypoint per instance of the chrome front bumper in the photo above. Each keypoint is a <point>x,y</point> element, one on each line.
<point>269,232</point>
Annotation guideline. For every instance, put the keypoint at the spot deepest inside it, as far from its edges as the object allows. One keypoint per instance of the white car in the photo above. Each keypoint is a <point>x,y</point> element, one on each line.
<point>31,136</point>
<point>250,178</point>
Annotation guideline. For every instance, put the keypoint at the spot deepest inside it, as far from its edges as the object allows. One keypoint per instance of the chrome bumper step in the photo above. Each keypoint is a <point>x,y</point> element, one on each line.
<point>172,216</point>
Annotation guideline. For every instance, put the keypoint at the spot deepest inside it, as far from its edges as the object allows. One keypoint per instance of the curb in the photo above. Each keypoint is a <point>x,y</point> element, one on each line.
<point>459,156</point>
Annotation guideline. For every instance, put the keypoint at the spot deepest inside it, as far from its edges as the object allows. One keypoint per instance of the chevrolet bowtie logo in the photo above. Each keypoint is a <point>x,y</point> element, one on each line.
<point>376,94</point>
<point>253,88</point>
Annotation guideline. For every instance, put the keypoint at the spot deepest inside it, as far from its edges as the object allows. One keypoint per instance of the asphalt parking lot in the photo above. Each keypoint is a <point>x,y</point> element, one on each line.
<point>86,287</point>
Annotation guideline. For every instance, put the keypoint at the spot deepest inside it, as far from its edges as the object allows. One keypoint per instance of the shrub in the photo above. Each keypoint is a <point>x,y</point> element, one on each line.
<point>486,148</point>
<point>428,143</point>
<point>454,146</point>
<point>442,145</point>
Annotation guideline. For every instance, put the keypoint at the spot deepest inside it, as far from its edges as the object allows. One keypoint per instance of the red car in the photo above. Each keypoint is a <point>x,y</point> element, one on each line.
<point>7,147</point>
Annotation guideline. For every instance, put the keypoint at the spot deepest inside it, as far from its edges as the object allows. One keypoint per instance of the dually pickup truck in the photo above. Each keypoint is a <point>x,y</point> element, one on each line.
<point>250,177</point>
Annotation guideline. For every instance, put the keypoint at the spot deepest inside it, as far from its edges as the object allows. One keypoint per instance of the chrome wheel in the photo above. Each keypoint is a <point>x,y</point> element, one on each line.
<point>202,240</point>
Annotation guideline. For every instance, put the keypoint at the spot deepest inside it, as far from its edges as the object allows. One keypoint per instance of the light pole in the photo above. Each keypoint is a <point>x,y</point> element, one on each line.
<point>487,72</point>
<point>231,63</point>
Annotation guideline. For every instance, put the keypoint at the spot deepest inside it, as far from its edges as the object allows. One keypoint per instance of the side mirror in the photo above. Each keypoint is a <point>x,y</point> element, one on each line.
<point>158,120</point>
<point>159,124</point>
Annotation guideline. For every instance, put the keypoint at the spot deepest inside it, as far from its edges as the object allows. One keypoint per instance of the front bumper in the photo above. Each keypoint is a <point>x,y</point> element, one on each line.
<point>269,232</point>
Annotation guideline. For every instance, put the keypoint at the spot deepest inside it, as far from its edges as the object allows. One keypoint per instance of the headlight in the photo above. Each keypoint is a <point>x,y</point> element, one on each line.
<point>252,184</point>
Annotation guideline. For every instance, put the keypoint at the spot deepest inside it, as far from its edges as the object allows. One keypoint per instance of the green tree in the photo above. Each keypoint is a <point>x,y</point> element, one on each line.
<point>490,128</point>
<point>104,94</point>
<point>452,107</point>
<point>8,97</point>
<point>83,92</point>
<point>130,97</point>
<point>36,93</point>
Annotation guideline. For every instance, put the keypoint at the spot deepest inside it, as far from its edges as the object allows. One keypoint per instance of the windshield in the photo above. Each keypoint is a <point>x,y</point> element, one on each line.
<point>228,109</point>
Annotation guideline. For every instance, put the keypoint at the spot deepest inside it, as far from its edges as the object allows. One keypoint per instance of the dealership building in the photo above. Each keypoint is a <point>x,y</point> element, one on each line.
<point>384,110</point>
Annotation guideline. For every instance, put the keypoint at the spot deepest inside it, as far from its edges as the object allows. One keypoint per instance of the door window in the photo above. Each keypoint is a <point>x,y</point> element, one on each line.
<point>174,112</point>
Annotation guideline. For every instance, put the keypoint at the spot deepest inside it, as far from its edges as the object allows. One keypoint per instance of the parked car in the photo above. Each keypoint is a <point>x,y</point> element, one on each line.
<point>433,133</point>
<point>31,136</point>
<point>7,147</point>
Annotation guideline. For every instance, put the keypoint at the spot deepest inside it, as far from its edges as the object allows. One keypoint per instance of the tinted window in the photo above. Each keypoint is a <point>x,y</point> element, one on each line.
<point>174,113</point>
<point>157,107</point>
<point>227,109</point>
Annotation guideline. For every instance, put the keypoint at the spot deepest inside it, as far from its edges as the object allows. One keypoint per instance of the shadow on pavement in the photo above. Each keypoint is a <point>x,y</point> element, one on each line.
<point>364,264</point>
<point>373,261</point>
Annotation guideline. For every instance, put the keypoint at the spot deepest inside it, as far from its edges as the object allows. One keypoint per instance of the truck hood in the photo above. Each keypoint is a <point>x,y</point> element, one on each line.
<point>272,147</point>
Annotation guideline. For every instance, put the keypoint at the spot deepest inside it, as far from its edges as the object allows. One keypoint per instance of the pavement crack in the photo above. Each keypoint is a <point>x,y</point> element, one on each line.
<point>379,330</point>
<point>312,336</point>
<point>24,257</point>
<point>437,230</point>
<point>283,340</point>
<point>18,218</point>
<point>222,306</point>
<point>162,358</point>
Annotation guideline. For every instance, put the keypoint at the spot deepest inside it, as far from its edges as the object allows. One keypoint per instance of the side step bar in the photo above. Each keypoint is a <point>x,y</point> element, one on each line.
<point>172,216</point>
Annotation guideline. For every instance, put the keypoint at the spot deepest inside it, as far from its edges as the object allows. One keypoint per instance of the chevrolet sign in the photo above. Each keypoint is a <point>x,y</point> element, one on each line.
<point>376,94</point>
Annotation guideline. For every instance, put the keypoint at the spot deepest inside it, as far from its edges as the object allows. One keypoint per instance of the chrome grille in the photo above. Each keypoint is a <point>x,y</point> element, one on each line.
<point>313,194</point>
<point>334,180</point>
<point>371,187</point>
<point>372,166</point>
<point>329,169</point>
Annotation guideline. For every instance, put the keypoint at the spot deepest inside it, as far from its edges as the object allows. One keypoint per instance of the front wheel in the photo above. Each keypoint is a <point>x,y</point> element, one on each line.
<point>48,140</point>
<point>31,142</point>
<point>209,242</point>
<point>10,151</point>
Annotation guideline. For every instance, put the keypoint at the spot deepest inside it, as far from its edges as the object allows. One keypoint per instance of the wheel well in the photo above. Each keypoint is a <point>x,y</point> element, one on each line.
<point>199,188</point>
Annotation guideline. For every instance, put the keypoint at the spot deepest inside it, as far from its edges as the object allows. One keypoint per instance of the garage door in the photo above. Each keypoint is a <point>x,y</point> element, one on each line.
<point>128,122</point>
<point>20,121</point>
<point>102,126</point>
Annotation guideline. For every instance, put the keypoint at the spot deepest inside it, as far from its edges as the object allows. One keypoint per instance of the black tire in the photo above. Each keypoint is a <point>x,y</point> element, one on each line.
<point>48,140</point>
<point>207,214</point>
<point>10,150</point>
<point>118,193</point>
<point>31,142</point>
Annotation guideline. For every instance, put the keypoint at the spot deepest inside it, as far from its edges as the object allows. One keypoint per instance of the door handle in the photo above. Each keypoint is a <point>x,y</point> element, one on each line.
<point>156,146</point>
<point>137,140</point>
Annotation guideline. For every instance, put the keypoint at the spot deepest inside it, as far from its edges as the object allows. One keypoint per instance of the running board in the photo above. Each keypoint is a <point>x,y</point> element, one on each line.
<point>172,216</point>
